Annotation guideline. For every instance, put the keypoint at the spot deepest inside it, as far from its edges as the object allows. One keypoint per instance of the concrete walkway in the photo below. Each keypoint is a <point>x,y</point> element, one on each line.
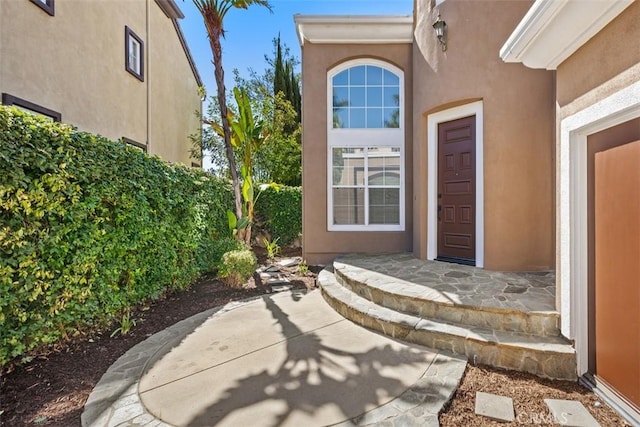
<point>285,359</point>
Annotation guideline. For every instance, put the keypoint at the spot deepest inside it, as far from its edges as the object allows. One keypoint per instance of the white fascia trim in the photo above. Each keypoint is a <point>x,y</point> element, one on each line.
<point>354,29</point>
<point>552,30</point>
<point>170,9</point>
<point>433,120</point>
<point>572,212</point>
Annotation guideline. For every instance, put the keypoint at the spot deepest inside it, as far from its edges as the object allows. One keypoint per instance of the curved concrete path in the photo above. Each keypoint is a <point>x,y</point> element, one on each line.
<point>284,359</point>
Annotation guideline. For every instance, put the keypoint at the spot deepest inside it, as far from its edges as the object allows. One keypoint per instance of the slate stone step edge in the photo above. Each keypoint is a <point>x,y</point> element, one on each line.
<point>394,296</point>
<point>549,357</point>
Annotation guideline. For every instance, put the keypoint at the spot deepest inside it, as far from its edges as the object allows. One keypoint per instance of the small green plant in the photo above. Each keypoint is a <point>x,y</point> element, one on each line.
<point>272,247</point>
<point>237,267</point>
<point>126,323</point>
<point>303,268</point>
<point>221,246</point>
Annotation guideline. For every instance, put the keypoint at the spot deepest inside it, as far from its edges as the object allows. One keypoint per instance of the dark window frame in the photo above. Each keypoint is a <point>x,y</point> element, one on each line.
<point>48,6</point>
<point>134,143</point>
<point>8,100</point>
<point>128,33</point>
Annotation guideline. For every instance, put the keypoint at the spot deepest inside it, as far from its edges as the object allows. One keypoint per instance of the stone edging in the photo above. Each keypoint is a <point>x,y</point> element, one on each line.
<point>115,400</point>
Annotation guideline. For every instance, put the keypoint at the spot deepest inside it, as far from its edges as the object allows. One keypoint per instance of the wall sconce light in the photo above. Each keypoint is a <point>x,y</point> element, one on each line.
<point>441,32</point>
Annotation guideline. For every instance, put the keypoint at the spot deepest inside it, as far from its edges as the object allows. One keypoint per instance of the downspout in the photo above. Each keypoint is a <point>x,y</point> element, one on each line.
<point>148,77</point>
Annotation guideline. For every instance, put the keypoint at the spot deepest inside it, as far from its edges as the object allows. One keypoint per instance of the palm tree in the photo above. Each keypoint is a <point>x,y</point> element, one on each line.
<point>213,12</point>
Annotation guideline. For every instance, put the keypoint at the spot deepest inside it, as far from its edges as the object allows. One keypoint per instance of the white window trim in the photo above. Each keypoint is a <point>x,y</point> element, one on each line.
<point>382,137</point>
<point>433,120</point>
<point>572,268</point>
<point>134,55</point>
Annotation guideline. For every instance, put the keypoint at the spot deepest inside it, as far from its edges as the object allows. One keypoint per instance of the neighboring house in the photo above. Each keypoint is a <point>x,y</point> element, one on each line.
<point>119,69</point>
<point>594,48</point>
<point>452,152</point>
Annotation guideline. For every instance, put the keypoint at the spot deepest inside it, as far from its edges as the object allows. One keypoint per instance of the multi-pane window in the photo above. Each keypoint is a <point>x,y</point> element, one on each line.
<point>134,54</point>
<point>366,96</point>
<point>366,144</point>
<point>366,185</point>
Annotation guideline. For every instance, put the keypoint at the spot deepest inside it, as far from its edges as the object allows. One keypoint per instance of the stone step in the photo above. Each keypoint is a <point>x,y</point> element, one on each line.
<point>550,357</point>
<point>426,302</point>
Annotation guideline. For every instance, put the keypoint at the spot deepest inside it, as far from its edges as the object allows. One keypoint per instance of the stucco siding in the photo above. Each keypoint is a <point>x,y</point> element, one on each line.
<point>518,106</point>
<point>74,63</point>
<point>174,99</point>
<point>605,64</point>
<point>320,245</point>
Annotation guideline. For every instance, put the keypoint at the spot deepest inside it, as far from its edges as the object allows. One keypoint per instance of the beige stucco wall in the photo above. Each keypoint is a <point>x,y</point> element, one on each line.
<point>518,109</point>
<point>319,245</point>
<point>174,96</point>
<point>605,64</point>
<point>73,63</point>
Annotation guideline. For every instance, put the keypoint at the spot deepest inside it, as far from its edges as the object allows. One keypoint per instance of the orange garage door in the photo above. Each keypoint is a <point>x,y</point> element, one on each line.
<point>617,269</point>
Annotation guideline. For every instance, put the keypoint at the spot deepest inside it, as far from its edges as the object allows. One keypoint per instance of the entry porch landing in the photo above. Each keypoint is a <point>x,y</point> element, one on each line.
<point>503,319</point>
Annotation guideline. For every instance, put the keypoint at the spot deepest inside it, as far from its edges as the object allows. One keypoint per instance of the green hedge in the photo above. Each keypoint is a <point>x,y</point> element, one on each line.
<point>89,227</point>
<point>280,213</point>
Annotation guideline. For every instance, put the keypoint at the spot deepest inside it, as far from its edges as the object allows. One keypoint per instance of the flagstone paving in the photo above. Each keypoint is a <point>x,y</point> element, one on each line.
<point>571,413</point>
<point>460,284</point>
<point>499,408</point>
<point>502,319</point>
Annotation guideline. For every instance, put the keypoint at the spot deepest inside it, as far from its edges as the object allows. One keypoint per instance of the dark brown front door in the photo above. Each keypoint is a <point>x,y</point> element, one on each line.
<point>457,190</point>
<point>617,269</point>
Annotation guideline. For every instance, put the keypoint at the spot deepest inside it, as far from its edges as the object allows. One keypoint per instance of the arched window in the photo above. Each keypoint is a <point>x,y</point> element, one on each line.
<point>366,97</point>
<point>366,147</point>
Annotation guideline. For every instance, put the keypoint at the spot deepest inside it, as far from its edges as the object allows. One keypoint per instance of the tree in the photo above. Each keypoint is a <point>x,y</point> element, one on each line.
<point>249,134</point>
<point>213,13</point>
<point>280,160</point>
<point>285,79</point>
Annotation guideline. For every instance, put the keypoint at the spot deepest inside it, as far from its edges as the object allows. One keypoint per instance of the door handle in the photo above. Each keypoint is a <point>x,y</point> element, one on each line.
<point>439,210</point>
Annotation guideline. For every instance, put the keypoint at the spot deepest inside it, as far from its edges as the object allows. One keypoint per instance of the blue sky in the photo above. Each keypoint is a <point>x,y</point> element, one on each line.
<point>249,32</point>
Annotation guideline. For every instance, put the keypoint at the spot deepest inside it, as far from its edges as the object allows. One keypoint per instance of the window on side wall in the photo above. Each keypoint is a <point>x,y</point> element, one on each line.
<point>46,5</point>
<point>30,107</point>
<point>134,54</point>
<point>135,144</point>
<point>366,147</point>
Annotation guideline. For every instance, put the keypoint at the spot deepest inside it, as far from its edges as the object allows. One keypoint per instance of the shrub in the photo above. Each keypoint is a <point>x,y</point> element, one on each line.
<point>218,248</point>
<point>280,213</point>
<point>90,227</point>
<point>237,267</point>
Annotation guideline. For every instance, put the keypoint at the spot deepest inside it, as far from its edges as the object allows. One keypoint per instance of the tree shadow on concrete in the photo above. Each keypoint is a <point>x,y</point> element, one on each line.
<point>315,377</point>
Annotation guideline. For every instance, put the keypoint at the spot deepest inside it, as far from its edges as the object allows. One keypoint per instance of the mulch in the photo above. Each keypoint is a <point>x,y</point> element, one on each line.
<point>50,388</point>
<point>528,393</point>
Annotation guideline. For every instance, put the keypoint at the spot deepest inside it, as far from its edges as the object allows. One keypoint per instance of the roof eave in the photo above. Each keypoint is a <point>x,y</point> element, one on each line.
<point>187,52</point>
<point>552,30</point>
<point>170,8</point>
<point>354,29</point>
